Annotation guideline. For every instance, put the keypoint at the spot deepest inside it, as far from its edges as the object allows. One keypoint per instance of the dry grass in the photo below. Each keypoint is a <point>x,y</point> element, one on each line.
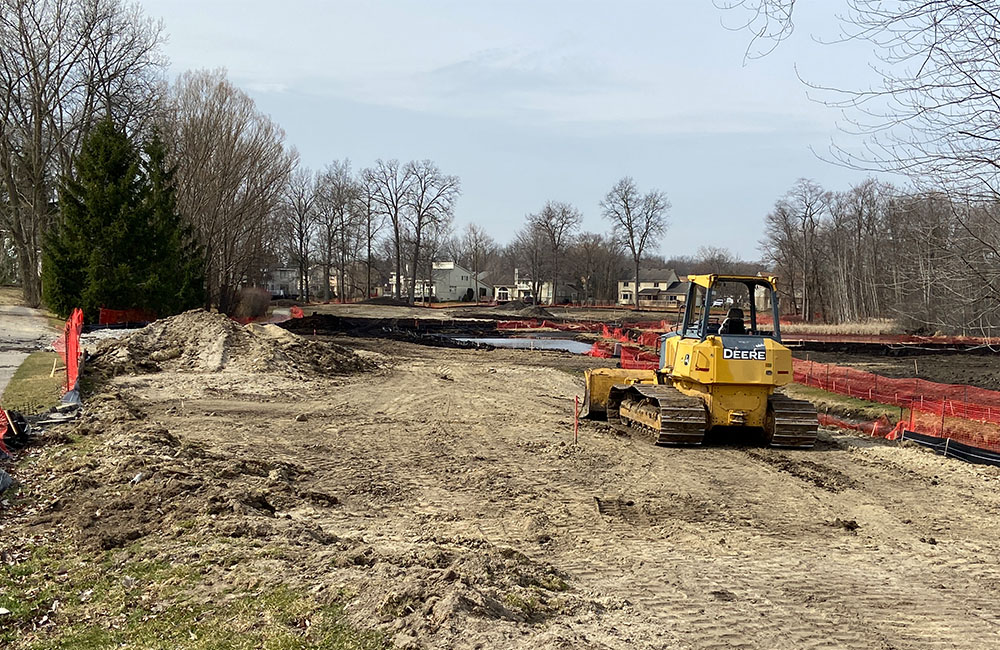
<point>874,327</point>
<point>842,405</point>
<point>32,389</point>
<point>10,295</point>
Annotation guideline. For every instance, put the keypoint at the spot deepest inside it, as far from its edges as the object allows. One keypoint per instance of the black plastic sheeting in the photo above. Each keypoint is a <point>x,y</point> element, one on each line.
<point>951,449</point>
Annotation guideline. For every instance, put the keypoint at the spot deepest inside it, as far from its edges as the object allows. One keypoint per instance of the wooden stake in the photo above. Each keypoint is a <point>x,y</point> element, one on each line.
<point>576,419</point>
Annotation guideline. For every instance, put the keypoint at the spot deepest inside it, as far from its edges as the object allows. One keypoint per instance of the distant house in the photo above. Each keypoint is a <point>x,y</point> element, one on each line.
<point>450,281</point>
<point>282,282</point>
<point>520,287</point>
<point>515,287</point>
<point>657,288</point>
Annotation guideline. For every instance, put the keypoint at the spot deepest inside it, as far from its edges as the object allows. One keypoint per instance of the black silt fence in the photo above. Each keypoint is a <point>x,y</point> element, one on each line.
<point>951,449</point>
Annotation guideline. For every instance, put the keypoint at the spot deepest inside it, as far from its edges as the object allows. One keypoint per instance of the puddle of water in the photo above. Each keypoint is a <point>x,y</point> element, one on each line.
<point>568,345</point>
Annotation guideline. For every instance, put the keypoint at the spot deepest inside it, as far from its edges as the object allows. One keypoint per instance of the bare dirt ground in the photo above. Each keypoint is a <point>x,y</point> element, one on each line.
<point>971,369</point>
<point>441,497</point>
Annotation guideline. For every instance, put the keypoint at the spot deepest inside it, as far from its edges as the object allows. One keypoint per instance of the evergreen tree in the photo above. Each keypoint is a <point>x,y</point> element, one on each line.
<point>121,244</point>
<point>176,273</point>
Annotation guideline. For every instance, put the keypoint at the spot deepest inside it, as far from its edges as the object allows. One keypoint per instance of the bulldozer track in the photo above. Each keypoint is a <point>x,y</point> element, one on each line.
<point>671,416</point>
<point>674,418</point>
<point>791,422</point>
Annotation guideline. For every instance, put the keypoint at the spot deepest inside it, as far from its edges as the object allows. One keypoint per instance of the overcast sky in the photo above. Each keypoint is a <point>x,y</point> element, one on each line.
<point>528,100</point>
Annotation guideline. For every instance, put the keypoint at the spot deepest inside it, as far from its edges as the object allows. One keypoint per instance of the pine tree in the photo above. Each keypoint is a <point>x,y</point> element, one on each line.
<point>121,244</point>
<point>176,273</point>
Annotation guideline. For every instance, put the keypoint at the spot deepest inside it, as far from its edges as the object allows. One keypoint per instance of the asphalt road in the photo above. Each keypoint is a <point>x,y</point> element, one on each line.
<point>22,331</point>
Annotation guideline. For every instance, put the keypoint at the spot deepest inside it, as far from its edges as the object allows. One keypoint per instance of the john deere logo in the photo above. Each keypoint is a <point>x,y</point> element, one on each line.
<point>743,347</point>
<point>754,355</point>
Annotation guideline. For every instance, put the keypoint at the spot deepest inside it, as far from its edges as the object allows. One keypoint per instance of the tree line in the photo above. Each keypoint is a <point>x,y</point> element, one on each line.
<point>928,259</point>
<point>83,85</point>
<point>928,253</point>
<point>394,220</point>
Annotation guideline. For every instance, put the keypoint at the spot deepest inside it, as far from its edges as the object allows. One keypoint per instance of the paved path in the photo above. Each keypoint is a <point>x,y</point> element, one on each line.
<point>22,331</point>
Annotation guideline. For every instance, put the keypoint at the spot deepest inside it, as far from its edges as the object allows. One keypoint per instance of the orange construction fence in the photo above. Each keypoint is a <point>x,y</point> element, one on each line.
<point>68,347</point>
<point>118,316</point>
<point>968,414</point>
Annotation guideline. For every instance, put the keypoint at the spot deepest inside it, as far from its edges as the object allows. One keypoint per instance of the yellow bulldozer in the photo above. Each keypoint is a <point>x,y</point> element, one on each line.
<point>718,369</point>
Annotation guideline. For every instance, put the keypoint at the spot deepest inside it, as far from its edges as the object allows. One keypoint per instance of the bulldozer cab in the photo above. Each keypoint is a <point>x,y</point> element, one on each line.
<point>730,305</point>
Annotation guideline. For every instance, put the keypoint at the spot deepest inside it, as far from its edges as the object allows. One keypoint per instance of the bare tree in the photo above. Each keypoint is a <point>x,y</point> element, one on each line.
<point>64,64</point>
<point>342,219</point>
<point>596,263</point>
<point>372,223</point>
<point>388,188</point>
<point>438,236</point>
<point>478,247</point>
<point>793,241</point>
<point>637,219</point>
<point>558,223</point>
<point>529,250</point>
<point>232,168</point>
<point>431,203</point>
<point>300,218</point>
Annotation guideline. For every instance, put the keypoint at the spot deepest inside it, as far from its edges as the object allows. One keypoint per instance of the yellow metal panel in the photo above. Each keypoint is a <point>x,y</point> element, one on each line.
<point>600,380</point>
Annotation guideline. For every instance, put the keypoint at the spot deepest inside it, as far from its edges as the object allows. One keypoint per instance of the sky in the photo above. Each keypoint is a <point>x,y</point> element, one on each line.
<point>536,100</point>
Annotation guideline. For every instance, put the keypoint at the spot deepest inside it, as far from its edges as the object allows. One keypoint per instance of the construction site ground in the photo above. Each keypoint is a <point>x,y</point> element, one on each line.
<point>437,498</point>
<point>981,370</point>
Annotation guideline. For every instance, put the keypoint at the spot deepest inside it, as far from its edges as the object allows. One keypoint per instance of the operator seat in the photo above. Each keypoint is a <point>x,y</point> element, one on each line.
<point>733,323</point>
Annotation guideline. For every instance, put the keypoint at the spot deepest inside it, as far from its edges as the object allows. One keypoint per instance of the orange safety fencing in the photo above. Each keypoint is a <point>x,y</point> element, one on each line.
<point>602,350</point>
<point>68,347</point>
<point>118,316</point>
<point>636,359</point>
<point>965,413</point>
<point>880,428</point>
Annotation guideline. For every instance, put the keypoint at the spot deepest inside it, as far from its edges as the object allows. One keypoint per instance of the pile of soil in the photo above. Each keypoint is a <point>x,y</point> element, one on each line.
<point>424,331</point>
<point>512,309</point>
<point>387,300</point>
<point>536,311</point>
<point>205,342</point>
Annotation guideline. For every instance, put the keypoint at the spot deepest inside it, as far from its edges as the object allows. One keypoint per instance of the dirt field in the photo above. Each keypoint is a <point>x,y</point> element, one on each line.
<point>440,499</point>
<point>971,369</point>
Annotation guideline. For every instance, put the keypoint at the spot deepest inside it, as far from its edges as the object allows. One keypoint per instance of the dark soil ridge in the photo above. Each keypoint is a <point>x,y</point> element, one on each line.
<point>425,331</point>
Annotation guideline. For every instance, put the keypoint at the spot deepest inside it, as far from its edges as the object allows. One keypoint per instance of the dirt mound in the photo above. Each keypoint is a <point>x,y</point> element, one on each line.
<point>518,309</point>
<point>387,300</point>
<point>536,311</point>
<point>201,341</point>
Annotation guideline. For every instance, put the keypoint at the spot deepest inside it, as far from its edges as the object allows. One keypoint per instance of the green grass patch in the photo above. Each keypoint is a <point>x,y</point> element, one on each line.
<point>69,600</point>
<point>837,404</point>
<point>32,390</point>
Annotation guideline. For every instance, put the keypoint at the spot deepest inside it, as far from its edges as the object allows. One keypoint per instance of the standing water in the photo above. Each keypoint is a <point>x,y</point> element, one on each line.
<point>568,345</point>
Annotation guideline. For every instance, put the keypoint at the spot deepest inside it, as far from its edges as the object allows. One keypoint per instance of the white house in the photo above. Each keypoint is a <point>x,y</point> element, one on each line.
<point>657,288</point>
<point>518,287</point>
<point>451,282</point>
<point>282,282</point>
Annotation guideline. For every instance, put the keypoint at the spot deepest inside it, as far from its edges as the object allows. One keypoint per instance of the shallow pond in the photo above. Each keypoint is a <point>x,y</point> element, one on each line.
<point>569,345</point>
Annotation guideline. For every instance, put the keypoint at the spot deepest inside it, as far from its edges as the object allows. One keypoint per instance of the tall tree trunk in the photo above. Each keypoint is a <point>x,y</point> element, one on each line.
<point>368,271</point>
<point>416,260</point>
<point>635,297</point>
